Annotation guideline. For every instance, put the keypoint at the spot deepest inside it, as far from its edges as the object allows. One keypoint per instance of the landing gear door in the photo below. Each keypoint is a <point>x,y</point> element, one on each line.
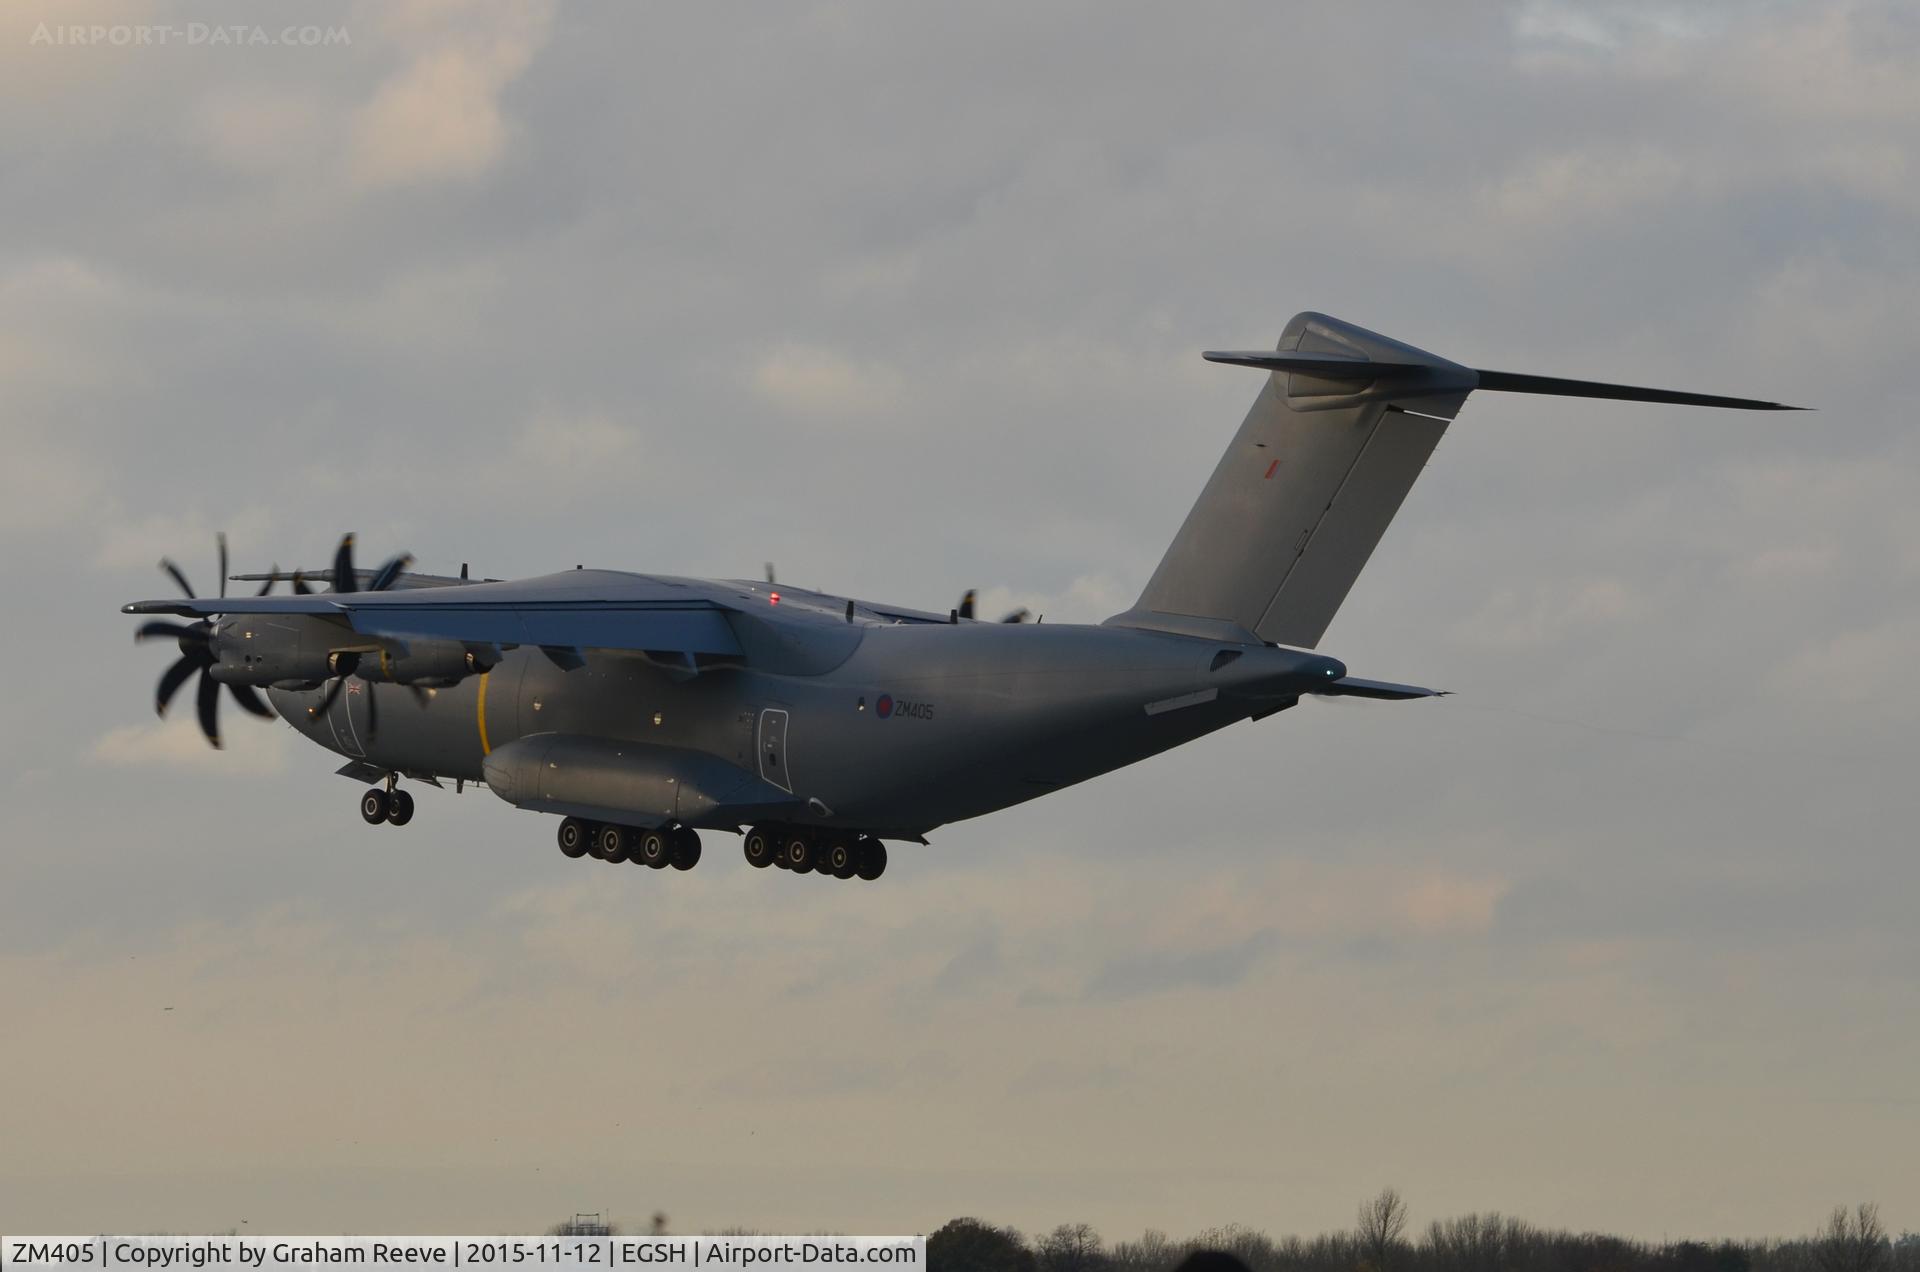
<point>773,748</point>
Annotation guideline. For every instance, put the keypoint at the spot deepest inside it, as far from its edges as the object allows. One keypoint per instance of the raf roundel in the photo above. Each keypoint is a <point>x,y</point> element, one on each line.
<point>884,707</point>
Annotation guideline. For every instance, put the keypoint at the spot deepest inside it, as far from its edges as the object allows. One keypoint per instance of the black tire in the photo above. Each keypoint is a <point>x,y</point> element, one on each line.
<point>574,837</point>
<point>870,860</point>
<point>840,858</point>
<point>759,847</point>
<point>798,852</point>
<point>612,843</point>
<point>399,808</point>
<point>373,806</point>
<point>656,848</point>
<point>686,848</point>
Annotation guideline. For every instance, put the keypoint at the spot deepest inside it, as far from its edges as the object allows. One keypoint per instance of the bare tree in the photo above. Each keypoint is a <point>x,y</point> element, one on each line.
<point>1072,1247</point>
<point>1383,1221</point>
<point>1852,1241</point>
<point>1477,1243</point>
<point>1153,1252</point>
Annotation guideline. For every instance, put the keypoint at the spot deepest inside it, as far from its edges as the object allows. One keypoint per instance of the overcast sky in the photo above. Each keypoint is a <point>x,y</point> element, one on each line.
<point>909,299</point>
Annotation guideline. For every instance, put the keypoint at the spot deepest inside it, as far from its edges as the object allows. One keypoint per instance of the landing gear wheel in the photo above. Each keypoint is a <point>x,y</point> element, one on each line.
<point>399,808</point>
<point>759,846</point>
<point>870,859</point>
<point>798,853</point>
<point>686,848</point>
<point>574,837</point>
<point>839,859</point>
<point>656,848</point>
<point>612,843</point>
<point>373,806</point>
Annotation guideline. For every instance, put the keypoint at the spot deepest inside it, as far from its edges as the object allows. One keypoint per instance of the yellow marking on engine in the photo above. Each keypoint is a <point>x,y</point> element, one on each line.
<point>480,713</point>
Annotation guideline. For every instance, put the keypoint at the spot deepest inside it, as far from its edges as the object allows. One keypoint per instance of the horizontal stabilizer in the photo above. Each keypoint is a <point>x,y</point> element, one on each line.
<point>1354,687</point>
<point>1330,366</point>
<point>1552,386</point>
<point>1353,369</point>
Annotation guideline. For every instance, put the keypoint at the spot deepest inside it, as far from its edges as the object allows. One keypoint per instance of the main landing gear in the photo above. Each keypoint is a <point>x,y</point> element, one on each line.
<point>801,850</point>
<point>387,804</point>
<point>659,847</point>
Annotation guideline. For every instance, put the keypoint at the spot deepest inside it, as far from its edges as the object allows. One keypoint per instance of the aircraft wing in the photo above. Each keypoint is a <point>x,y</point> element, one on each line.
<point>576,609</point>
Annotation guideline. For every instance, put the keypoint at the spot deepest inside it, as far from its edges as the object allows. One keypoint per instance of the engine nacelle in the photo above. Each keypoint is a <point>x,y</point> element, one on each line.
<point>293,652</point>
<point>437,663</point>
<point>261,650</point>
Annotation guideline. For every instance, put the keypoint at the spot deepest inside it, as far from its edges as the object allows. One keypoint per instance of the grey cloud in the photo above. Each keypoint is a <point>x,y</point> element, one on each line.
<point>1148,973</point>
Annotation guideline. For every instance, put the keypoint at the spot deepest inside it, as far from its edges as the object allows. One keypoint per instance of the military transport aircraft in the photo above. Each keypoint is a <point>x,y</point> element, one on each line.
<point>643,709</point>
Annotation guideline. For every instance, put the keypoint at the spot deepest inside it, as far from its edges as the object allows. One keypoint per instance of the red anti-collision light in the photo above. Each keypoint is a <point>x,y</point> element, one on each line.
<point>773,599</point>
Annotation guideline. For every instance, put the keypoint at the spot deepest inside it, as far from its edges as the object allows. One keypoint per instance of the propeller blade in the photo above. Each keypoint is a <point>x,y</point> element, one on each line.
<point>343,577</point>
<point>300,587</point>
<point>966,604</point>
<point>207,701</point>
<point>420,696</point>
<point>174,571</point>
<point>326,699</point>
<point>172,679</point>
<point>175,631</point>
<point>220,538</point>
<point>273,576</point>
<point>251,701</point>
<point>389,572</point>
<point>1018,616</point>
<point>373,711</point>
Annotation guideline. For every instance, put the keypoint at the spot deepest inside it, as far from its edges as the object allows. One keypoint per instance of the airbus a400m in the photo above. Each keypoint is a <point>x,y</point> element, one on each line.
<point>643,709</point>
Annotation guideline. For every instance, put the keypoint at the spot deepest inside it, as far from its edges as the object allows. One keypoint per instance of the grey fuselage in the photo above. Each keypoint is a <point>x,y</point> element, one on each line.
<point>871,723</point>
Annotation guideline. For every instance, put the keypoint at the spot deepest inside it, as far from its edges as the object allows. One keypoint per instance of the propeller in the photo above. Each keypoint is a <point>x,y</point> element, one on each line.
<point>346,662</point>
<point>196,655</point>
<point>966,610</point>
<point>345,579</point>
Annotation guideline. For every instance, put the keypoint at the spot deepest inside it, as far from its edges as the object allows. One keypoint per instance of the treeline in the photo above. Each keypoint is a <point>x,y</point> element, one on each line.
<point>1850,1241</point>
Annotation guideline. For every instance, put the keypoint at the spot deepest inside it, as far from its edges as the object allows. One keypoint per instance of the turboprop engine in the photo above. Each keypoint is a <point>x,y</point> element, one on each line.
<point>295,651</point>
<point>299,653</point>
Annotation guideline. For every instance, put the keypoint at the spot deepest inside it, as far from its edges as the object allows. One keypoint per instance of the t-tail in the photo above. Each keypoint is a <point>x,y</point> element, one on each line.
<point>1343,426</point>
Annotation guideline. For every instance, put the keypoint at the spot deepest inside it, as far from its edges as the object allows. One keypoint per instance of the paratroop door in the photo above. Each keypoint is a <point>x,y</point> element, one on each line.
<point>773,748</point>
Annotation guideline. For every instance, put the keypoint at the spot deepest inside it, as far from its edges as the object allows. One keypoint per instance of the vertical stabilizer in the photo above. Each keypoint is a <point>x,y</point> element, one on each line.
<point>1307,488</point>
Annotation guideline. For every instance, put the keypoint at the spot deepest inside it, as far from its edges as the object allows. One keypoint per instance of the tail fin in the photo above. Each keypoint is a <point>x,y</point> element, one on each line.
<point>1322,463</point>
